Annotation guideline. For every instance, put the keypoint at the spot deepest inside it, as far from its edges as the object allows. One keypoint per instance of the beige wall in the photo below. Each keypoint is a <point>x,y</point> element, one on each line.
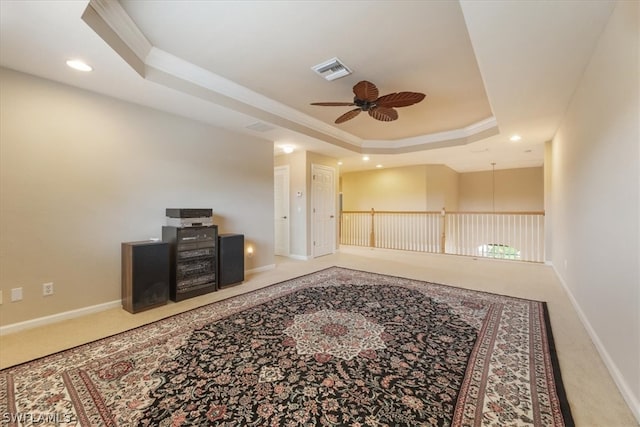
<point>595,213</point>
<point>548,191</point>
<point>385,189</point>
<point>442,188</point>
<point>515,190</point>
<point>432,187</point>
<point>81,173</point>
<point>412,188</point>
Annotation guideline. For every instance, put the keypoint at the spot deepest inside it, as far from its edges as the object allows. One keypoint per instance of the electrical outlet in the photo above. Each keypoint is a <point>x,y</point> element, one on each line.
<point>47,289</point>
<point>0,296</point>
<point>16,294</point>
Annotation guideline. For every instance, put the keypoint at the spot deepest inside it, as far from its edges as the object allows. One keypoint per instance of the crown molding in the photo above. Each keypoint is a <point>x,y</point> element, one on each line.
<point>114,15</point>
<point>207,80</point>
<point>112,23</point>
<point>435,140</point>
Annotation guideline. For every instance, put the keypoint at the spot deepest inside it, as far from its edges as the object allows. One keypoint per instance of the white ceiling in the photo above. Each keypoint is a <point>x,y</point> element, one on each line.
<point>489,68</point>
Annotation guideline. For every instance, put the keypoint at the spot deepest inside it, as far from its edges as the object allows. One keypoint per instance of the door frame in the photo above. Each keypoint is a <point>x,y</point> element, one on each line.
<point>286,196</point>
<point>332,170</point>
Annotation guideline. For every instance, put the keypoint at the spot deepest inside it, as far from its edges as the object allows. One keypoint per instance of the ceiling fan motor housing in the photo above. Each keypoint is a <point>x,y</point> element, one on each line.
<point>364,104</point>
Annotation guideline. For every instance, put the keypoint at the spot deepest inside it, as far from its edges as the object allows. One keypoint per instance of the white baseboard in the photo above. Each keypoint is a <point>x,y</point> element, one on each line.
<point>625,390</point>
<point>300,257</point>
<point>47,320</point>
<point>259,269</point>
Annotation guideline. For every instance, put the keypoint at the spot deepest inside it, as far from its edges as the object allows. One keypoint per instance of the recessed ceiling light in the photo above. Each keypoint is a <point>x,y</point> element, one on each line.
<point>365,158</point>
<point>79,65</point>
<point>339,163</point>
<point>378,166</point>
<point>515,138</point>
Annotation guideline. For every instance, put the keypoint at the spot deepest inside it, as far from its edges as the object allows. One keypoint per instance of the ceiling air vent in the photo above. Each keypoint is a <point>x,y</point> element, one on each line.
<point>260,127</point>
<point>332,69</point>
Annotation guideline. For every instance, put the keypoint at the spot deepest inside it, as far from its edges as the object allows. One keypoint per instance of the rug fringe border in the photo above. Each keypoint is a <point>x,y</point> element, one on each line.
<point>565,408</point>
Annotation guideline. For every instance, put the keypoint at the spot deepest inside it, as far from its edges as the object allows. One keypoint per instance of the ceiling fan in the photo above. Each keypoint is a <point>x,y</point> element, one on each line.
<point>380,108</point>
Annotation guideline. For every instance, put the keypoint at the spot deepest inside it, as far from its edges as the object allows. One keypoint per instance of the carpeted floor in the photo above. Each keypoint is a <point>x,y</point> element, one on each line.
<point>338,347</point>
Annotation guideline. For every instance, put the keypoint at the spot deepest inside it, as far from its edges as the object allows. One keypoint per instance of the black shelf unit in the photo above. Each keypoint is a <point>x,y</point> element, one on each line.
<point>193,260</point>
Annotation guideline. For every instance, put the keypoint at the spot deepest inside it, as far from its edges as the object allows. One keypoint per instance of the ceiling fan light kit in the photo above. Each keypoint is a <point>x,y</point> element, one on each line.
<point>380,108</point>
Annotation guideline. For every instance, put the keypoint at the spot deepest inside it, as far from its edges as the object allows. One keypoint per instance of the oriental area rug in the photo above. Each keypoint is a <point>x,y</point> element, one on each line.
<point>338,347</point>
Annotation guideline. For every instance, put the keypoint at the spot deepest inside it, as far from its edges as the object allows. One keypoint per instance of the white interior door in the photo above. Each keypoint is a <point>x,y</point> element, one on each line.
<point>281,214</point>
<point>323,209</point>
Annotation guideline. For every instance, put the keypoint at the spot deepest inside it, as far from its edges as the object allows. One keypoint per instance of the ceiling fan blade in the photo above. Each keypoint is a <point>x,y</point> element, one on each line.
<point>348,115</point>
<point>400,99</point>
<point>384,114</point>
<point>333,104</point>
<point>366,91</point>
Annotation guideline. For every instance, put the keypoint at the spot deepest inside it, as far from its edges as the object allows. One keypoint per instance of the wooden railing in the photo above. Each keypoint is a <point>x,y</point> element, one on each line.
<point>506,235</point>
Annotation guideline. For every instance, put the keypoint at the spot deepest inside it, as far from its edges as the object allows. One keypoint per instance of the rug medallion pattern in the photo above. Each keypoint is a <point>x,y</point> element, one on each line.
<point>334,348</point>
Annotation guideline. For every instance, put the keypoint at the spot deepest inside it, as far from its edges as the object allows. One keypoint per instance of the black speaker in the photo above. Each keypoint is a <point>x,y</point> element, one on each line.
<point>145,275</point>
<point>230,259</point>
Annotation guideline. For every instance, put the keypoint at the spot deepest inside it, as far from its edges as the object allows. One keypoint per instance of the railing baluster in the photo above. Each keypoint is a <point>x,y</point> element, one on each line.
<point>509,235</point>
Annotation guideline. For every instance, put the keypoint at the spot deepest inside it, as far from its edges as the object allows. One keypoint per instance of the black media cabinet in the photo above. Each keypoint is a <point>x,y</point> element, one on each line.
<point>193,260</point>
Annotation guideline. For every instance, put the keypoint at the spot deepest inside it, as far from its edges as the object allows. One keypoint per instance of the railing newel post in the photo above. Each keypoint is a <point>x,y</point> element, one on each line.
<point>443,236</point>
<point>372,233</point>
